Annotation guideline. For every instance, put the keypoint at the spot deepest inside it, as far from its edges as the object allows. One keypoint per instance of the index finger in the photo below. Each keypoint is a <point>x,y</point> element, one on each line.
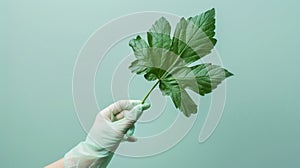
<point>119,106</point>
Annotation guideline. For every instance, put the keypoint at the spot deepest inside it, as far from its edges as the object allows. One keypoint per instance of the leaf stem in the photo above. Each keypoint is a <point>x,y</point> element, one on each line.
<point>145,98</point>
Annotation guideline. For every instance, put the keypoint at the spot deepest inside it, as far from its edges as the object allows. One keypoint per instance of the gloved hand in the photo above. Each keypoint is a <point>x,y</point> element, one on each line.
<point>108,130</point>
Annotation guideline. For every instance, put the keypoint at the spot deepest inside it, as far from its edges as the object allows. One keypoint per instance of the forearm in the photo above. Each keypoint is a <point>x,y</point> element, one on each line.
<point>57,164</point>
<point>101,162</point>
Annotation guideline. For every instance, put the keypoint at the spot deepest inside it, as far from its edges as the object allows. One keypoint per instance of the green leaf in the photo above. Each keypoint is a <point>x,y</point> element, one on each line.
<point>194,38</point>
<point>172,87</point>
<point>159,34</point>
<point>166,60</point>
<point>138,44</point>
<point>207,76</point>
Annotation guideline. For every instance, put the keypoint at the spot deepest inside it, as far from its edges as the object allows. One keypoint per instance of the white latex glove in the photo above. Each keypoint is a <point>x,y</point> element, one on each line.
<point>108,130</point>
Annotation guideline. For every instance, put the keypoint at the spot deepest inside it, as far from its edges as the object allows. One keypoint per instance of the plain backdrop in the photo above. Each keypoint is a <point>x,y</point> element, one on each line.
<point>257,40</point>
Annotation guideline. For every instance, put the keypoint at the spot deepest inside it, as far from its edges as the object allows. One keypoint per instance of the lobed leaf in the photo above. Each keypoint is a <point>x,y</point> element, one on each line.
<point>167,59</point>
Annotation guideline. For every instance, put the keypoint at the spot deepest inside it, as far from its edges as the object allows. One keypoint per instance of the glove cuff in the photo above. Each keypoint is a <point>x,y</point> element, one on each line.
<point>87,155</point>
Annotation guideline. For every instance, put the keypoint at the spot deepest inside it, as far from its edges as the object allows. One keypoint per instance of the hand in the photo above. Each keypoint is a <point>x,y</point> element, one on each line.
<point>113,122</point>
<point>108,130</point>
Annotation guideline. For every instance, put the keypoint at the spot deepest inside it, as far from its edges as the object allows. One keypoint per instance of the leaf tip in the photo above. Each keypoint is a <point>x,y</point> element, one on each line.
<point>162,19</point>
<point>228,74</point>
<point>138,37</point>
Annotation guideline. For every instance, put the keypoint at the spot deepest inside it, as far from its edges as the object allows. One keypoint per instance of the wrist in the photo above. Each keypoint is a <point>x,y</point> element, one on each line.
<point>86,154</point>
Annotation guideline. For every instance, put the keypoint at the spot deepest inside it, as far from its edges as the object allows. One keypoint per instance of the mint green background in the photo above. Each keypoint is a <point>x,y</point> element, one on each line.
<point>258,41</point>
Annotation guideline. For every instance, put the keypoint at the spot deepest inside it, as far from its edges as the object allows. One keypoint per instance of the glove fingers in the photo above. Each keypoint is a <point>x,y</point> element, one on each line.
<point>130,117</point>
<point>119,116</point>
<point>129,138</point>
<point>123,125</point>
<point>146,106</point>
<point>119,106</point>
<point>136,112</point>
